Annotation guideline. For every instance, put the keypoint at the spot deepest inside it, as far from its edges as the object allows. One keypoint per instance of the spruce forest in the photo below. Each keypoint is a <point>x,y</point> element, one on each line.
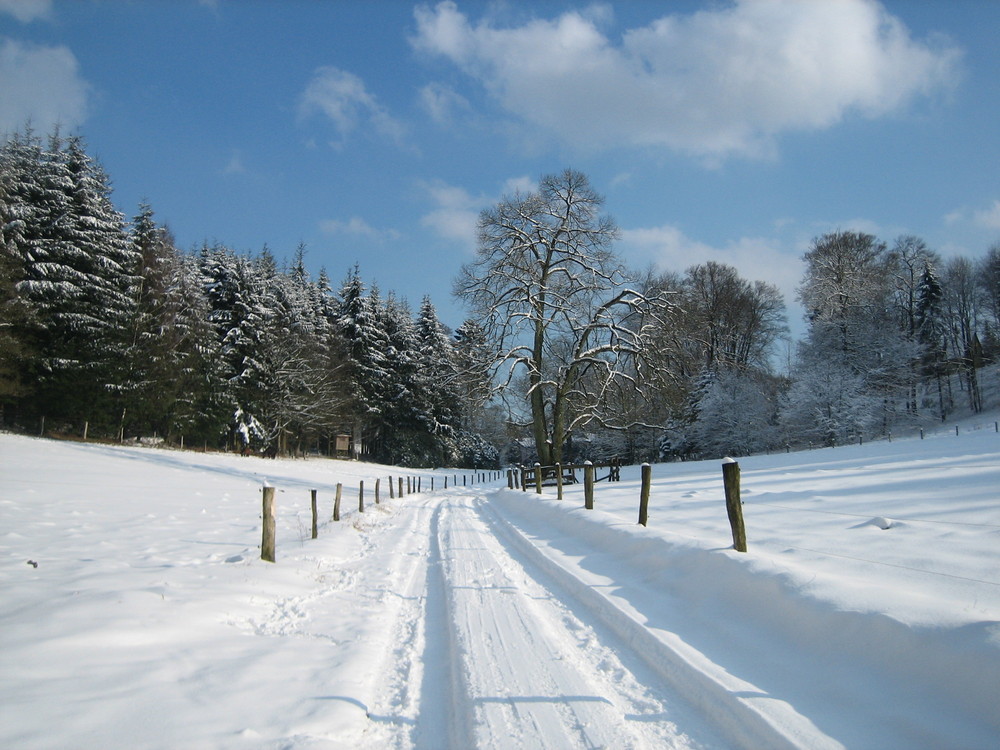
<point>107,326</point>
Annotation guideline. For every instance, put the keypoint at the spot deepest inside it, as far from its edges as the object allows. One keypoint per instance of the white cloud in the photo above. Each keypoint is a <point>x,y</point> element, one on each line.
<point>755,258</point>
<point>456,213</point>
<point>714,83</point>
<point>522,185</point>
<point>358,227</point>
<point>988,217</point>
<point>41,84</point>
<point>442,103</point>
<point>976,219</point>
<point>344,99</point>
<point>27,10</point>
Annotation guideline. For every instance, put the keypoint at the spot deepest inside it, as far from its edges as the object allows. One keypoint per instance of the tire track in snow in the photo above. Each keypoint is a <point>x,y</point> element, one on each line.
<point>535,674</point>
<point>442,692</point>
<point>748,717</point>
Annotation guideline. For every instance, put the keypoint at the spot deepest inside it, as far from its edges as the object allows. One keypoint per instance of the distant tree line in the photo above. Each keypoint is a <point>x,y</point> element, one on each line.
<point>603,361</point>
<point>567,354</point>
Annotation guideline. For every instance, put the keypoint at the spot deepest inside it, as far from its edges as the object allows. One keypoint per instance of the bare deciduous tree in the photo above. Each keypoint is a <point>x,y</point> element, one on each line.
<point>550,295</point>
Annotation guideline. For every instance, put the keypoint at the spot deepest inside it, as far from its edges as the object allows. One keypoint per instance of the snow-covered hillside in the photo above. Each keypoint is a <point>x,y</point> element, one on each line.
<point>136,613</point>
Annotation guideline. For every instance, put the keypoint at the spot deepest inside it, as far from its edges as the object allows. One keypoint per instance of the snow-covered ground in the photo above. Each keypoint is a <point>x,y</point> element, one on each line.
<point>483,617</point>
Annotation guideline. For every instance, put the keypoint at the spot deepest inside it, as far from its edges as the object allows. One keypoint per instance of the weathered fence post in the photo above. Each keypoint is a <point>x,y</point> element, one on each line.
<point>86,425</point>
<point>588,485</point>
<point>510,479</point>
<point>361,496</point>
<point>391,493</point>
<point>336,502</point>
<point>267,538</point>
<point>400,488</point>
<point>409,485</point>
<point>647,475</point>
<point>315,518</point>
<point>558,481</point>
<point>538,478</point>
<point>731,482</point>
<point>377,481</point>
<point>419,484</point>
<point>446,481</point>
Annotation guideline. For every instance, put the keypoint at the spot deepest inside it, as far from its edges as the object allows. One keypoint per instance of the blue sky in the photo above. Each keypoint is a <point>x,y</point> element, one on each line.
<point>374,132</point>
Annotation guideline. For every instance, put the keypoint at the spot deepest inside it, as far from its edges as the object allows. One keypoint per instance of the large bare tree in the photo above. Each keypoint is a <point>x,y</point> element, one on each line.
<point>551,296</point>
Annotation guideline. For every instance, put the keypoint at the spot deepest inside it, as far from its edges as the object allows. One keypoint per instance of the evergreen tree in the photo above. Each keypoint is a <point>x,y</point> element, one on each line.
<point>931,331</point>
<point>402,434</point>
<point>436,383</point>
<point>175,363</point>
<point>15,314</point>
<point>364,351</point>
<point>78,276</point>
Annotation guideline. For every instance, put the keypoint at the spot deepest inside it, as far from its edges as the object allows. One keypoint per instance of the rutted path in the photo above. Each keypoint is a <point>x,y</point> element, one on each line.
<point>490,655</point>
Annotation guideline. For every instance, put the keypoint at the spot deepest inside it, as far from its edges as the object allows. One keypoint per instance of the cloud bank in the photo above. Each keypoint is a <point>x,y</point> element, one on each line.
<point>719,82</point>
<point>343,98</point>
<point>42,85</point>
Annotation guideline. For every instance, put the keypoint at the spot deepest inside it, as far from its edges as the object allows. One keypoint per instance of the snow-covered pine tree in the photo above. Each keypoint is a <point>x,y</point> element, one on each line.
<point>175,360</point>
<point>78,277</point>
<point>437,383</point>
<point>364,355</point>
<point>14,311</point>
<point>931,332</point>
<point>307,401</point>
<point>403,434</point>
<point>230,285</point>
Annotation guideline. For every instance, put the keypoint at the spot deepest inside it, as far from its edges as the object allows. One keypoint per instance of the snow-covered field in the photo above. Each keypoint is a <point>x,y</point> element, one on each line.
<point>482,617</point>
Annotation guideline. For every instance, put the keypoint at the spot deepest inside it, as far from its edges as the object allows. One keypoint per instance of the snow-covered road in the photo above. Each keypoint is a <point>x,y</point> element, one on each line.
<point>523,665</point>
<point>485,650</point>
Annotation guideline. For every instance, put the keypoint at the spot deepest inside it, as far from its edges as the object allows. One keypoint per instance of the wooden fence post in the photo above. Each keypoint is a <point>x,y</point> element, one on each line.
<point>558,481</point>
<point>336,502</point>
<point>588,485</point>
<point>647,475</point>
<point>86,425</point>
<point>510,479</point>
<point>361,496</point>
<point>731,482</point>
<point>267,538</point>
<point>400,488</point>
<point>315,518</point>
<point>538,478</point>
<point>377,481</point>
<point>391,493</point>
